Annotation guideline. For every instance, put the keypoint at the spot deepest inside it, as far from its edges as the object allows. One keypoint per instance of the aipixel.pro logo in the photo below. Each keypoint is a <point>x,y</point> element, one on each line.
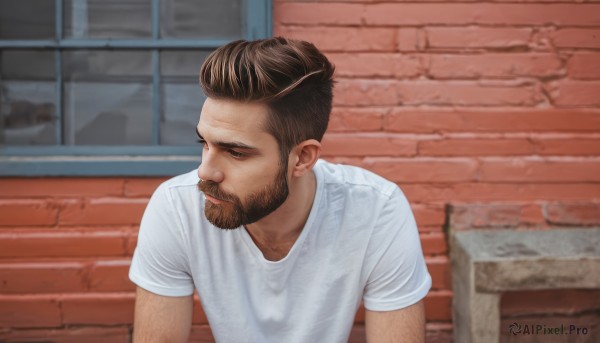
<point>541,329</point>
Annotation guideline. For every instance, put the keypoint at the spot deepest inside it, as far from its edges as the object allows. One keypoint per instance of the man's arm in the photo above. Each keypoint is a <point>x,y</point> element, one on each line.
<point>161,319</point>
<point>404,325</point>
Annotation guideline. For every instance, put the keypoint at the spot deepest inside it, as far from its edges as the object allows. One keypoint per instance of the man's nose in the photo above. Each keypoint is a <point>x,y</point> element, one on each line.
<point>209,169</point>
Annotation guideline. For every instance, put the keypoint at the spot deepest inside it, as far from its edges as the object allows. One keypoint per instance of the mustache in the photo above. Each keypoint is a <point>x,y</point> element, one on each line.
<point>212,188</point>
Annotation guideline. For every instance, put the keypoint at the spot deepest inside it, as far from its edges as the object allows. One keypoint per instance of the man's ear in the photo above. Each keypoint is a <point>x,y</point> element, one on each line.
<point>304,157</point>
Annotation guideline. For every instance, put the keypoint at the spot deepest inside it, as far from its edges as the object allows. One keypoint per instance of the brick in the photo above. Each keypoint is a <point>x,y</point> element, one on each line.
<point>411,39</point>
<point>375,65</point>
<point>316,14</point>
<point>436,192</point>
<point>351,161</point>
<point>69,335</point>
<point>430,229</point>
<point>142,187</point>
<point>538,170</point>
<point>578,213</point>
<point>568,146</point>
<point>434,243</point>
<point>29,311</point>
<point>355,92</point>
<point>330,39</point>
<point>367,144</point>
<point>476,147</point>
<point>429,214</point>
<point>531,215</point>
<point>419,14</point>
<point>438,306</point>
<point>541,40</point>
<point>42,277</point>
<point>423,170</point>
<point>344,119</point>
<point>495,215</point>
<point>104,211</point>
<point>60,243</point>
<point>60,187</point>
<point>358,334</point>
<point>576,38</point>
<point>517,120</point>
<point>359,318</point>
<point>19,212</point>
<point>439,269</point>
<point>408,66</point>
<point>471,216</point>
<point>467,93</point>
<point>98,308</point>
<point>494,65</point>
<point>110,276</point>
<point>567,301</point>
<point>199,317</point>
<point>584,65</point>
<point>477,37</point>
<point>131,243</point>
<point>480,13</point>
<point>201,333</point>
<point>438,333</point>
<point>577,93</point>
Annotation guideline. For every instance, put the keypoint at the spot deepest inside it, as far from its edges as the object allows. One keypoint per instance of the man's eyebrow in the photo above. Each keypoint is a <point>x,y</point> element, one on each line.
<point>229,145</point>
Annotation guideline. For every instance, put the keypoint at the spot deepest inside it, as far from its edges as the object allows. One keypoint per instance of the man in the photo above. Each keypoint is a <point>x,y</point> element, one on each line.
<point>281,246</point>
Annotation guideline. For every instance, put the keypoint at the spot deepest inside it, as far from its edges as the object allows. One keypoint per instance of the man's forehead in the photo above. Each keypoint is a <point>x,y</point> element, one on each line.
<point>226,117</point>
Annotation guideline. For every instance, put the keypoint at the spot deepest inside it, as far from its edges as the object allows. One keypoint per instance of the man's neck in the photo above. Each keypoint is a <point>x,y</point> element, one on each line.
<point>276,233</point>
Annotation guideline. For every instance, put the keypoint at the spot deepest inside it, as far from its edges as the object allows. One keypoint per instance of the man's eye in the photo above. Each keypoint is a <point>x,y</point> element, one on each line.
<point>236,154</point>
<point>203,142</point>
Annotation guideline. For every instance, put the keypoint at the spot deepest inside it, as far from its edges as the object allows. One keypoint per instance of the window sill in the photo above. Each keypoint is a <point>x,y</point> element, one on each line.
<point>36,166</point>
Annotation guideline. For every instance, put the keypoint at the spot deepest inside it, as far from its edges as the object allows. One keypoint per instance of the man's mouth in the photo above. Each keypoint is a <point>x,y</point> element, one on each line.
<point>213,199</point>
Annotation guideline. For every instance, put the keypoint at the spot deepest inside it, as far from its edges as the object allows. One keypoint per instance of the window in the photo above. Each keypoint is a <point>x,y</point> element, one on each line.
<point>110,87</point>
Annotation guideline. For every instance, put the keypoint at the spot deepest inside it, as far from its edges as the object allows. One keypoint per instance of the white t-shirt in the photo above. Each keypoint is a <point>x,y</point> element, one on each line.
<point>360,242</point>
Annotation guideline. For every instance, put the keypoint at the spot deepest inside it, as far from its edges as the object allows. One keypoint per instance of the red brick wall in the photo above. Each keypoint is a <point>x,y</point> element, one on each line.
<point>65,247</point>
<point>491,106</point>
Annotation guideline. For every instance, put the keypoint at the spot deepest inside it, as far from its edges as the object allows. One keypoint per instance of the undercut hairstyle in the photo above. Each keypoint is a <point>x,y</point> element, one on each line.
<point>291,77</point>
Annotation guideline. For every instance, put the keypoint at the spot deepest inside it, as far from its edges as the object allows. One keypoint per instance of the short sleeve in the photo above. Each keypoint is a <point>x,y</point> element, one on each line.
<point>398,276</point>
<point>159,262</point>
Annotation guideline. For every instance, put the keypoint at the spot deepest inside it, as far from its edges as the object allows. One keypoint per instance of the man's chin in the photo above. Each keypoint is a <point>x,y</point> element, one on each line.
<point>216,216</point>
<point>221,224</point>
<point>224,226</point>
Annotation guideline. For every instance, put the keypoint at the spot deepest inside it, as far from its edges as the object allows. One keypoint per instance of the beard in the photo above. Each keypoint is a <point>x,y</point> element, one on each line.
<point>232,213</point>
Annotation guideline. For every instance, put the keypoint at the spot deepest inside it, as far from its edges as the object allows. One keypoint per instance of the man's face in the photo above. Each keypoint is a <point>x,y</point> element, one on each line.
<point>241,174</point>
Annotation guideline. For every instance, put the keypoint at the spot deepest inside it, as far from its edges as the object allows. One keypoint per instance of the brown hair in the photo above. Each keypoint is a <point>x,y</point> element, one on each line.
<point>291,77</point>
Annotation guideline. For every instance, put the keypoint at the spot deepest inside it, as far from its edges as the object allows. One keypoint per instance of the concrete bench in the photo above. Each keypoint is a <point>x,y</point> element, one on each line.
<point>487,263</point>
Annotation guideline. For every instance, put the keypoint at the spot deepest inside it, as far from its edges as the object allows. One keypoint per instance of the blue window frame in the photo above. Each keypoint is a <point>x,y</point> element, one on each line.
<point>60,155</point>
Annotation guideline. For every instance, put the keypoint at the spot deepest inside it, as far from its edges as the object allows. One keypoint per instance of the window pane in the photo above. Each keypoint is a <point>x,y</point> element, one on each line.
<point>107,19</point>
<point>27,65</point>
<point>108,97</point>
<point>182,105</point>
<point>182,63</point>
<point>27,19</point>
<point>27,112</point>
<point>182,97</point>
<point>27,97</point>
<point>201,19</point>
<point>95,64</point>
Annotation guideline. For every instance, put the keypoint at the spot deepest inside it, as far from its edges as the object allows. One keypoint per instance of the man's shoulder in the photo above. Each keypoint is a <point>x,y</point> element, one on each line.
<point>348,176</point>
<point>189,179</point>
<point>177,196</point>
<point>176,187</point>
